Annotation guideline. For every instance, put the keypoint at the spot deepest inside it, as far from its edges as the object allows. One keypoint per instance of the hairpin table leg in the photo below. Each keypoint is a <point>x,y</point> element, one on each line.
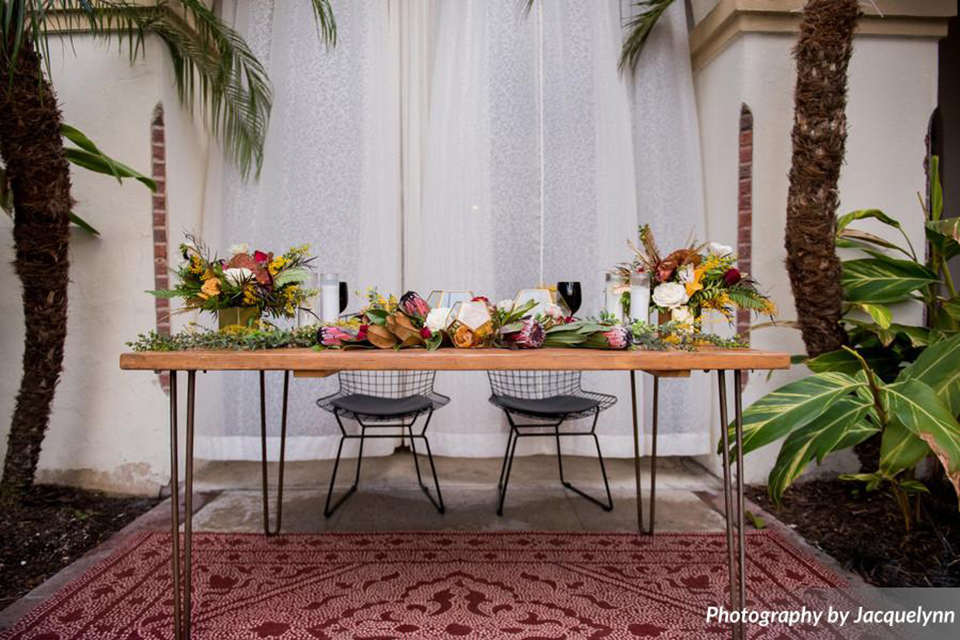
<point>653,453</point>
<point>263,452</point>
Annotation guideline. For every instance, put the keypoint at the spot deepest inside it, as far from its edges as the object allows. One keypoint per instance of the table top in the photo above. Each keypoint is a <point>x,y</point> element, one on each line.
<point>554,359</point>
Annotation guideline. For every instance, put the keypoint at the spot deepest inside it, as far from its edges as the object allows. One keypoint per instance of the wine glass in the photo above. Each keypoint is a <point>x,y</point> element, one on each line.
<point>344,296</point>
<point>571,294</point>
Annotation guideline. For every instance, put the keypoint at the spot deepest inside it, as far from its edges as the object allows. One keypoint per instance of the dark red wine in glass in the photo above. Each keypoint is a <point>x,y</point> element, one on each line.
<point>344,296</point>
<point>571,294</point>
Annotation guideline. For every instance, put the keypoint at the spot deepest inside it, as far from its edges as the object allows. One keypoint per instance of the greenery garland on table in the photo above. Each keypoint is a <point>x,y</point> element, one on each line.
<point>647,337</point>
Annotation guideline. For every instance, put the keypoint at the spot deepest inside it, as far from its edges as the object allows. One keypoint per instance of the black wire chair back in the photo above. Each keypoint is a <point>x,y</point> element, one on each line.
<point>387,384</point>
<point>534,385</point>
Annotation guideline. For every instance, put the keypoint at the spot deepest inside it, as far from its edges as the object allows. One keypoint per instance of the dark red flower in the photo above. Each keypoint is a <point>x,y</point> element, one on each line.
<point>261,257</point>
<point>731,277</point>
<point>481,299</point>
<point>425,333</point>
<point>362,333</point>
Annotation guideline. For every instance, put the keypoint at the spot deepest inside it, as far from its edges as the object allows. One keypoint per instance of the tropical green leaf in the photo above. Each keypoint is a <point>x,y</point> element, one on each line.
<point>939,367</point>
<point>952,307</point>
<point>813,440</point>
<point>881,280</point>
<point>100,163</point>
<point>83,224</point>
<point>945,236</point>
<point>913,486</point>
<point>871,480</point>
<point>936,189</point>
<point>918,408</point>
<point>792,406</point>
<point>900,449</point>
<point>853,436</point>
<point>844,221</point>
<point>856,239</point>
<point>880,314</point>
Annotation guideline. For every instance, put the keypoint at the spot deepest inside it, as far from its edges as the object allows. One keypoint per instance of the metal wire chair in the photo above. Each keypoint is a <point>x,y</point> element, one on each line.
<point>553,397</point>
<point>378,400</point>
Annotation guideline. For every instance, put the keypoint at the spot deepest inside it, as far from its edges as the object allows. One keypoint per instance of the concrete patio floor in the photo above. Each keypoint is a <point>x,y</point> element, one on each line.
<point>390,499</point>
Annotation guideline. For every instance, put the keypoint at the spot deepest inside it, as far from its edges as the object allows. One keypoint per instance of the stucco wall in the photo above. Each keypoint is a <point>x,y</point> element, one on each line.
<point>893,85</point>
<point>109,428</point>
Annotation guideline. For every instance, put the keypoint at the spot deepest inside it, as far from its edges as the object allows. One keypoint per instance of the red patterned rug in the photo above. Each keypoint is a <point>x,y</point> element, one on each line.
<point>429,584</point>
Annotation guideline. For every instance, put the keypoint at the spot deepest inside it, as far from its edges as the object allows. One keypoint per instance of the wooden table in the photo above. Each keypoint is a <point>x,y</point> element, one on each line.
<point>309,363</point>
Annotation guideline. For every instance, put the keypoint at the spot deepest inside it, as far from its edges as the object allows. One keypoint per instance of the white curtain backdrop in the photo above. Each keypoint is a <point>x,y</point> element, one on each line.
<point>459,144</point>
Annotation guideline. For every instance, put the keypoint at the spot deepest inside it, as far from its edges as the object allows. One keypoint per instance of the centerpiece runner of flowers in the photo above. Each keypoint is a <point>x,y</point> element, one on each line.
<point>691,280</point>
<point>259,281</point>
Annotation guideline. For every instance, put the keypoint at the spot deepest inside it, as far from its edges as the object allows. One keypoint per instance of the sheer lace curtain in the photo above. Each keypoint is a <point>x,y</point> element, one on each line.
<point>460,144</point>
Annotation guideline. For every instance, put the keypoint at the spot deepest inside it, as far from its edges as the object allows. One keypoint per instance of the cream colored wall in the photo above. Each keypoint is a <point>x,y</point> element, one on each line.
<point>109,428</point>
<point>892,95</point>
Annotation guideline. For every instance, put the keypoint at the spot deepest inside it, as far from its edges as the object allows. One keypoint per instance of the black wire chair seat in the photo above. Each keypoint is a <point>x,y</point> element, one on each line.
<point>570,407</point>
<point>360,406</point>
<point>384,400</point>
<point>551,398</point>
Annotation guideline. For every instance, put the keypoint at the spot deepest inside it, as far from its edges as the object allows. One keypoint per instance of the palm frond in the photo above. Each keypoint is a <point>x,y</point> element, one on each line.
<point>214,68</point>
<point>639,27</point>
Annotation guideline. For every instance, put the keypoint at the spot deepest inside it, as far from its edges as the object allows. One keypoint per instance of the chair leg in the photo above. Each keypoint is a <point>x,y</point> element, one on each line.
<point>438,503</point>
<point>327,509</point>
<point>506,457</point>
<point>506,477</point>
<point>608,506</point>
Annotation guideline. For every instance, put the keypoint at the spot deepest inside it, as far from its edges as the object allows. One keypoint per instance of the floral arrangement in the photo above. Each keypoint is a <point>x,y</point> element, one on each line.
<point>696,278</point>
<point>271,284</point>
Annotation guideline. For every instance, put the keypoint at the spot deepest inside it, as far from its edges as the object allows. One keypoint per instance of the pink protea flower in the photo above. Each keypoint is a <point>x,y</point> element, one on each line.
<point>617,337</point>
<point>413,305</point>
<point>530,335</point>
<point>335,336</point>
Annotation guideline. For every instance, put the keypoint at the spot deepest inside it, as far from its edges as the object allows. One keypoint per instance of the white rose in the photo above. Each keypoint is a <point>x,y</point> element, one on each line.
<point>670,295</point>
<point>505,305</point>
<point>682,315</point>
<point>237,275</point>
<point>437,319</point>
<point>685,274</point>
<point>718,249</point>
<point>241,247</point>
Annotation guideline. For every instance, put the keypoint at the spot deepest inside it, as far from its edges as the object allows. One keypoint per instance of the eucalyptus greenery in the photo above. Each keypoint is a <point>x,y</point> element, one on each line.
<point>234,338</point>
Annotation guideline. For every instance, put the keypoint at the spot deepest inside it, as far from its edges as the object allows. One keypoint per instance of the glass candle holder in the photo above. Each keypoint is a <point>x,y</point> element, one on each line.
<point>639,297</point>
<point>329,297</point>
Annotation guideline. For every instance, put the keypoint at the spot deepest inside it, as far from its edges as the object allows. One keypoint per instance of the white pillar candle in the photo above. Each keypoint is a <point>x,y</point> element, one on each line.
<point>611,297</point>
<point>329,297</point>
<point>640,297</point>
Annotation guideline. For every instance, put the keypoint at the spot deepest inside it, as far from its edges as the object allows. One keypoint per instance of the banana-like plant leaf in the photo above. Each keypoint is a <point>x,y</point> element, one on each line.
<point>918,408</point>
<point>83,224</point>
<point>880,314</point>
<point>900,449</point>
<point>883,361</point>
<point>792,406</point>
<point>290,275</point>
<point>100,163</point>
<point>936,189</point>
<point>883,280</point>
<point>844,221</point>
<point>853,436</point>
<point>813,440</point>
<point>952,307</point>
<point>856,239</point>
<point>939,367</point>
<point>945,236</point>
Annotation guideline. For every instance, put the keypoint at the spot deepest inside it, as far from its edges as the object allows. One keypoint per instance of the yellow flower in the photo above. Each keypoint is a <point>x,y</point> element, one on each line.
<point>211,287</point>
<point>196,265</point>
<point>249,296</point>
<point>276,265</point>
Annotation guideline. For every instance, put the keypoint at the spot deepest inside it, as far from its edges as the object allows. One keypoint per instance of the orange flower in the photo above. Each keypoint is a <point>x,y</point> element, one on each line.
<point>695,285</point>
<point>211,287</point>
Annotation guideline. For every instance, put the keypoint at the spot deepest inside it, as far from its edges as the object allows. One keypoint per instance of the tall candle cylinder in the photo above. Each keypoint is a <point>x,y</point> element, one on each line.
<point>309,311</point>
<point>329,297</point>
<point>640,297</point>
<point>611,297</point>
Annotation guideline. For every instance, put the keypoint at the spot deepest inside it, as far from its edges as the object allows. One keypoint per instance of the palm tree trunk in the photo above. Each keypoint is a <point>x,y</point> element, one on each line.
<point>32,150</point>
<point>819,136</point>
